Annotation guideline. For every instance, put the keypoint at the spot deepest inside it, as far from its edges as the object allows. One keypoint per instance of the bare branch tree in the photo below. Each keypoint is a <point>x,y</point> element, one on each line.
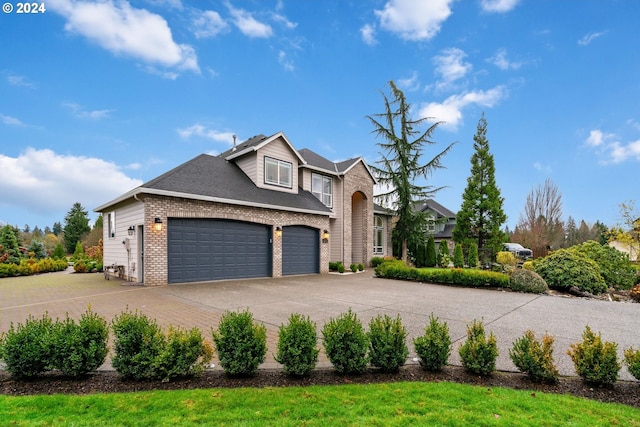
<point>541,223</point>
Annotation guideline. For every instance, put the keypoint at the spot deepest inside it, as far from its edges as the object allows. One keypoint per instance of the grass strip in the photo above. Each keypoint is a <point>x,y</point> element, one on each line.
<point>391,404</point>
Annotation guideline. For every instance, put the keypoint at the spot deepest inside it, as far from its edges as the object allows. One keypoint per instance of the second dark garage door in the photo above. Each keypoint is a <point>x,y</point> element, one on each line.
<point>213,249</point>
<point>300,250</point>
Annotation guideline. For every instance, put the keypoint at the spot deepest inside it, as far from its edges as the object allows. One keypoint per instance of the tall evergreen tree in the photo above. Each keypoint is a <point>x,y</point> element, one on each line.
<point>400,165</point>
<point>76,225</point>
<point>9,246</point>
<point>481,215</point>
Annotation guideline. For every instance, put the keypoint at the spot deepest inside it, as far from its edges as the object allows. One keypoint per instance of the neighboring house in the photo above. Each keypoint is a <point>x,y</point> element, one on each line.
<point>441,222</point>
<point>260,209</point>
<point>630,249</point>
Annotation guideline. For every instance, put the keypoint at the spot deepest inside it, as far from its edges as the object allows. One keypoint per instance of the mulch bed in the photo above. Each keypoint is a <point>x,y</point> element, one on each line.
<point>625,392</point>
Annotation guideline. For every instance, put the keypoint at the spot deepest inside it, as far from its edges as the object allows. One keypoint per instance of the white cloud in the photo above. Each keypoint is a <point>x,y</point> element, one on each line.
<point>450,111</point>
<point>43,181</point>
<point>610,149</point>
<point>500,60</point>
<point>450,66</point>
<point>286,63</point>
<point>587,39</point>
<point>498,6</point>
<point>414,20</point>
<point>281,19</point>
<point>409,83</point>
<point>11,121</point>
<point>20,81</point>
<point>208,23</point>
<point>248,25</point>
<point>368,33</point>
<point>125,30</point>
<point>79,112</point>
<point>201,131</point>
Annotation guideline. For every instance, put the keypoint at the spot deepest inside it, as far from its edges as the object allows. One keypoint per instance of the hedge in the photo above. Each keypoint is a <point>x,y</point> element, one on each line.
<point>396,269</point>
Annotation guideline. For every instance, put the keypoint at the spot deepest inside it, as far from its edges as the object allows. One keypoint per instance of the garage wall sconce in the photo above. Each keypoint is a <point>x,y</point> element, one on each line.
<point>131,230</point>
<point>157,224</point>
<point>325,236</point>
<point>278,232</point>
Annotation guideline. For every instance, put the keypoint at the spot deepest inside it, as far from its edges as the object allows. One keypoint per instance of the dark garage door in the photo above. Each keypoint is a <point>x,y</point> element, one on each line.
<point>300,250</point>
<point>211,249</point>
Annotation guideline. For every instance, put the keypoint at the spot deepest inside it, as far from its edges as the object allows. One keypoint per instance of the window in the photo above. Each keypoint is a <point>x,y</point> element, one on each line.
<point>321,187</point>
<point>277,172</point>
<point>378,235</point>
<point>111,218</point>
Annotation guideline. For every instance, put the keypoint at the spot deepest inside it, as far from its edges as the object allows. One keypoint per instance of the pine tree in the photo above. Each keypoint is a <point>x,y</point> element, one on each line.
<point>76,226</point>
<point>400,165</point>
<point>9,245</point>
<point>481,215</point>
<point>443,254</point>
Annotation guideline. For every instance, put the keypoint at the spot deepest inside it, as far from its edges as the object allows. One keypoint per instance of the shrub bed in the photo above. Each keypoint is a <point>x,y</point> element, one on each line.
<point>396,269</point>
<point>31,266</point>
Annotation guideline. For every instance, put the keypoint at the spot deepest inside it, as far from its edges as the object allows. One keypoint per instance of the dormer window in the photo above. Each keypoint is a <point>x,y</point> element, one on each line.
<point>277,172</point>
<point>322,188</point>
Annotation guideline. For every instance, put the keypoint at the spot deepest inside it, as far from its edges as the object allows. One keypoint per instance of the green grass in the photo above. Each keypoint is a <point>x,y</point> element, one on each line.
<point>392,404</point>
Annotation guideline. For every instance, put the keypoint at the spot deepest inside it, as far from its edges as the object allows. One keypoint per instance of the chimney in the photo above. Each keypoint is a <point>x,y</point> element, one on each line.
<point>234,143</point>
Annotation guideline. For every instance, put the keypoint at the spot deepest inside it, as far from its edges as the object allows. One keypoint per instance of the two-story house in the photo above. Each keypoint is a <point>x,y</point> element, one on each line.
<point>260,209</point>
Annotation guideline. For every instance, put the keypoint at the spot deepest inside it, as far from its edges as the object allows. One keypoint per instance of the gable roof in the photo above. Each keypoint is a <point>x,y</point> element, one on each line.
<point>212,178</point>
<point>316,162</point>
<point>256,142</point>
<point>436,207</point>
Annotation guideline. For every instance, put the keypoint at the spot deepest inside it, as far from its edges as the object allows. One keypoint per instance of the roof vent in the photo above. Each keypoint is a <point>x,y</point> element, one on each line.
<point>234,143</point>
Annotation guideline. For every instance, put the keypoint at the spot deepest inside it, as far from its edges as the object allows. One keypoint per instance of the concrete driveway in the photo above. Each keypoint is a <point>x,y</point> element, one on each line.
<point>507,314</point>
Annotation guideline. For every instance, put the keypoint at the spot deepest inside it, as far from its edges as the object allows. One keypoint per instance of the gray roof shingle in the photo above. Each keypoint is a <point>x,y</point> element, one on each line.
<point>214,177</point>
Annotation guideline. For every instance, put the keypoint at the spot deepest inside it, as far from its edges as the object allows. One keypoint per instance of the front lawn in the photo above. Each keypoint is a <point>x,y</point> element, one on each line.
<point>388,404</point>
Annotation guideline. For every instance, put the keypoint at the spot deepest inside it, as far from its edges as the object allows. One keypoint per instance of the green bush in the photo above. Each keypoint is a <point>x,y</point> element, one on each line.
<point>615,267</point>
<point>506,259</point>
<point>528,265</point>
<point>387,343</point>
<point>353,267</point>
<point>297,346</point>
<point>185,353</point>
<point>360,267</point>
<point>632,359</point>
<point>334,265</point>
<point>528,281</point>
<point>443,254</point>
<point>479,352</point>
<point>26,349</point>
<point>79,348</point>
<point>434,346</point>
<point>58,253</point>
<point>345,343</point>
<point>472,256</point>
<point>595,361</point>
<point>138,341</point>
<point>458,256</point>
<point>565,268</point>
<point>241,343</point>
<point>340,268</point>
<point>430,256</point>
<point>396,269</point>
<point>535,358</point>
<point>376,261</point>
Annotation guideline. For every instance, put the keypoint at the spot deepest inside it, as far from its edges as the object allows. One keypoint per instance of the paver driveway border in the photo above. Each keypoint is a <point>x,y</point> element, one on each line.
<point>322,297</point>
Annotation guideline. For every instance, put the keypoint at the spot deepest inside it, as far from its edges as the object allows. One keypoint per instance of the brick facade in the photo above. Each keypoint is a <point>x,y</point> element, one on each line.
<point>155,250</point>
<point>358,181</point>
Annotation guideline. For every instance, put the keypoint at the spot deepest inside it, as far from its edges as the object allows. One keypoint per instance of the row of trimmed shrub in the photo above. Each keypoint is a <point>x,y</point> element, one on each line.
<point>143,351</point>
<point>397,269</point>
<point>30,266</point>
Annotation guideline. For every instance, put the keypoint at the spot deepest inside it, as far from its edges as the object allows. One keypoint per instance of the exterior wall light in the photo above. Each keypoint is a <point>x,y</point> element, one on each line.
<point>157,224</point>
<point>325,236</point>
<point>131,230</point>
<point>278,232</point>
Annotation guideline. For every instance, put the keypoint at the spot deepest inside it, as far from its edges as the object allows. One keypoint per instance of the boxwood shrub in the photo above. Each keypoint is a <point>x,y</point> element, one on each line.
<point>434,346</point>
<point>388,348</point>
<point>297,345</point>
<point>26,348</point>
<point>346,343</point>
<point>240,342</point>
<point>595,361</point>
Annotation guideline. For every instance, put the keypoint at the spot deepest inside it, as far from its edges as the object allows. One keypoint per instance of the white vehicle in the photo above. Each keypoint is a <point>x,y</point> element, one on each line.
<point>519,251</point>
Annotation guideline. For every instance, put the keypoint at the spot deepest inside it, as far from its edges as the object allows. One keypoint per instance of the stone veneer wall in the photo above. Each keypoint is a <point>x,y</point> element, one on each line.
<point>358,179</point>
<point>156,257</point>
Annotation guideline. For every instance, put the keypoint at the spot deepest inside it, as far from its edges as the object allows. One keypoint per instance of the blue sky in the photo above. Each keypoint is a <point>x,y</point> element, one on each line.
<point>99,97</point>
